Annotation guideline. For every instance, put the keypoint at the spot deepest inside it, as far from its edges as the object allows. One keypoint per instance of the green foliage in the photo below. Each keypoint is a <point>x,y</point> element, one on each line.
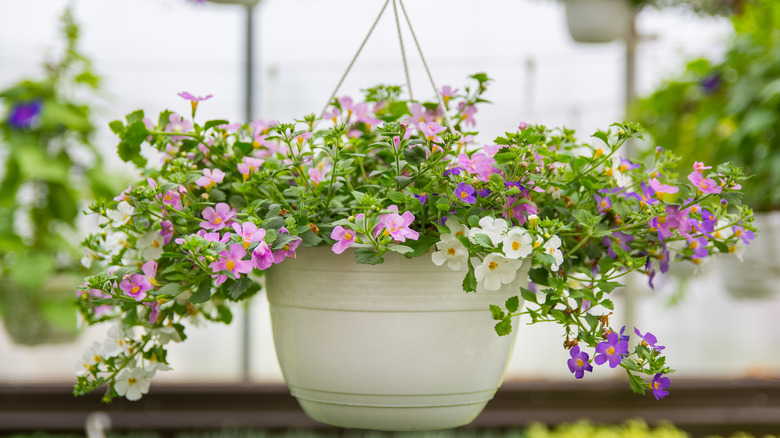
<point>728,111</point>
<point>43,189</point>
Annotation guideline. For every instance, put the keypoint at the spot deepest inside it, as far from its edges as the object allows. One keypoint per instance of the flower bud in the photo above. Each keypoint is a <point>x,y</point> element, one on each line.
<point>533,220</point>
<point>204,195</point>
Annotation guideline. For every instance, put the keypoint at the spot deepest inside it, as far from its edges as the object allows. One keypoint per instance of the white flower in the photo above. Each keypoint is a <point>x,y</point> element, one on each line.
<point>116,241</point>
<point>92,356</point>
<point>496,270</point>
<point>88,257</point>
<point>132,383</point>
<point>738,249</point>
<point>117,342</point>
<point>495,229</point>
<point>552,247</point>
<point>456,229</point>
<point>725,232</point>
<point>518,243</point>
<point>122,214</point>
<point>451,251</point>
<point>150,245</point>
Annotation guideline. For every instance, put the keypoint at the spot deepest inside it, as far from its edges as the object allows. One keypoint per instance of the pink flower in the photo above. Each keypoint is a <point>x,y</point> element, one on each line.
<point>318,173</point>
<point>447,92</point>
<point>430,130</point>
<point>303,137</point>
<point>213,237</point>
<point>209,178</point>
<point>154,311</point>
<point>700,166</point>
<point>419,114</point>
<point>397,226</point>
<point>167,231</point>
<point>705,185</point>
<point>262,257</point>
<point>135,285</point>
<point>123,196</point>
<point>231,260</point>
<point>467,114</point>
<point>172,198</point>
<point>260,126</point>
<point>364,115</point>
<point>191,98</point>
<point>217,219</point>
<point>288,250</point>
<point>249,233</point>
<point>345,237</point>
<point>150,271</point>
<point>178,125</point>
<point>249,166</point>
<point>661,189</point>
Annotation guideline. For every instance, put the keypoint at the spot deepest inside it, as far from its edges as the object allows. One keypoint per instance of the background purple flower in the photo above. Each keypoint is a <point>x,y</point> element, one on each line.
<point>465,193</point>
<point>658,385</point>
<point>24,114</point>
<point>578,363</point>
<point>611,350</point>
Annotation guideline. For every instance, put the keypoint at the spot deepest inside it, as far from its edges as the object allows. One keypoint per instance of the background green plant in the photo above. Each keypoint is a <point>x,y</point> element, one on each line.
<point>50,171</point>
<point>728,110</point>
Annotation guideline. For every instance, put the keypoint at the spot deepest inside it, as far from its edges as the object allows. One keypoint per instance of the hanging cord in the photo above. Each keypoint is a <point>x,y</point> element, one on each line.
<point>425,64</point>
<point>322,114</point>
<point>403,53</point>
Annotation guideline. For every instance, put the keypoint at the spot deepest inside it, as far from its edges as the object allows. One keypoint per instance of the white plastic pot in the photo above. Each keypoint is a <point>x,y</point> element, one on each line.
<point>597,21</point>
<point>758,275</point>
<point>395,346</point>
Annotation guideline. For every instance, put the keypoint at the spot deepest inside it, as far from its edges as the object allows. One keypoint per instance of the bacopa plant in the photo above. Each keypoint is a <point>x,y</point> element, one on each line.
<point>227,201</point>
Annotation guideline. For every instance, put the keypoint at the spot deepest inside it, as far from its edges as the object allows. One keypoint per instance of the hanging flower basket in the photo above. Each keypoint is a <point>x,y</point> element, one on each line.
<point>424,356</point>
<point>597,21</point>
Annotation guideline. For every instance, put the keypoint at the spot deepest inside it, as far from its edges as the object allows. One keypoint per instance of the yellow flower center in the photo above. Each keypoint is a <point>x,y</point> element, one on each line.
<point>661,219</point>
<point>464,195</point>
<point>217,220</point>
<point>611,351</point>
<point>515,245</point>
<point>738,233</point>
<point>131,381</point>
<point>536,244</point>
<point>134,289</point>
<point>580,363</point>
<point>492,265</point>
<point>598,153</point>
<point>451,251</point>
<point>347,236</point>
<point>156,243</point>
<point>551,250</point>
<point>230,265</point>
<point>656,385</point>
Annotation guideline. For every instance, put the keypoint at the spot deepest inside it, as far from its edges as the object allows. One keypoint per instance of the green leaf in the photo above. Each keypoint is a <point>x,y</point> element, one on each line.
<point>367,256</point>
<point>415,155</point>
<point>636,383</point>
<point>539,276</point>
<point>135,116</point>
<point>167,289</point>
<point>396,197</point>
<point>630,364</point>
<point>504,327</point>
<point>421,245</point>
<point>310,238</point>
<point>483,240</point>
<point>212,123</point>
<point>607,304</point>
<point>224,314</point>
<point>512,304</point>
<point>470,281</point>
<point>117,127</point>
<point>239,287</point>
<point>401,249</point>
<point>443,204</point>
<point>603,136</point>
<point>592,321</point>
<point>202,294</point>
<point>545,258</point>
<point>528,295</point>
<point>558,315</point>
<point>608,286</point>
<point>496,312</point>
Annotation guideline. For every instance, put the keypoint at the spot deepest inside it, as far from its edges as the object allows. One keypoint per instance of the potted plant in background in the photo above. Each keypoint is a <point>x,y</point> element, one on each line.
<point>383,219</point>
<point>729,111</point>
<point>51,172</point>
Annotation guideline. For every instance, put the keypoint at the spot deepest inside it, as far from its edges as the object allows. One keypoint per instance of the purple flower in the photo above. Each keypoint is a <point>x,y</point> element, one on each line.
<point>454,171</point>
<point>178,125</point>
<point>699,246</point>
<point>627,165</point>
<point>136,286</point>
<point>649,340</point>
<point>611,350</point>
<point>24,114</point>
<point>522,126</point>
<point>673,219</point>
<point>167,231</point>
<point>578,363</point>
<point>217,219</point>
<point>619,238</point>
<point>422,198</point>
<point>661,189</point>
<point>345,237</point>
<point>288,250</point>
<point>484,193</point>
<point>191,98</point>
<point>646,197</point>
<point>742,233</point>
<point>154,311</point>
<point>711,83</point>
<point>249,233</point>
<point>658,385</point>
<point>465,193</point>
<point>604,203</point>
<point>262,256</point>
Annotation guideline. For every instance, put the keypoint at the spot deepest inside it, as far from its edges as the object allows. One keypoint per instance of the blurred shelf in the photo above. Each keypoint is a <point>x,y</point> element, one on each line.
<point>700,407</point>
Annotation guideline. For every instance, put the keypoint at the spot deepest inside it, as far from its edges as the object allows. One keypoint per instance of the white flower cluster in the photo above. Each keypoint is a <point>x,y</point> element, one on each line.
<point>511,247</point>
<point>133,372</point>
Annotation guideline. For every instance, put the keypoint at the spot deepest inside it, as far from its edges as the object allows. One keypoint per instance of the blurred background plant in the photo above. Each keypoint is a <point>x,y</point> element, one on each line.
<point>730,111</point>
<point>50,172</point>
